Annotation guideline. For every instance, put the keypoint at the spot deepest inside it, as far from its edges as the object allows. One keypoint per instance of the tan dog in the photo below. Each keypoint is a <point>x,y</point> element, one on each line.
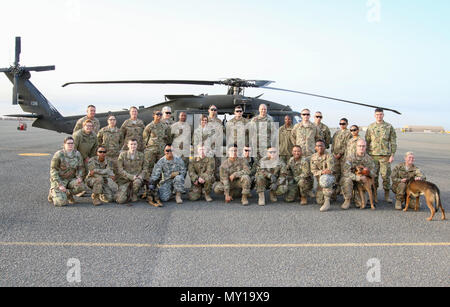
<point>431,193</point>
<point>368,186</point>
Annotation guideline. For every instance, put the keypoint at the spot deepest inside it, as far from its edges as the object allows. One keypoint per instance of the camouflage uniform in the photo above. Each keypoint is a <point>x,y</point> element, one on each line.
<point>299,178</point>
<point>177,131</point>
<point>79,124</point>
<point>133,129</point>
<point>306,137</point>
<point>318,164</point>
<point>65,169</point>
<point>401,172</point>
<point>339,146</point>
<point>236,128</point>
<point>381,144</point>
<point>256,129</point>
<point>218,131</point>
<point>86,144</point>
<point>201,168</point>
<point>240,169</point>
<point>326,134</point>
<point>128,168</point>
<point>155,136</point>
<point>271,172</point>
<point>101,182</point>
<point>112,140</point>
<point>349,178</point>
<point>351,147</point>
<point>285,143</point>
<point>163,170</point>
<point>169,121</point>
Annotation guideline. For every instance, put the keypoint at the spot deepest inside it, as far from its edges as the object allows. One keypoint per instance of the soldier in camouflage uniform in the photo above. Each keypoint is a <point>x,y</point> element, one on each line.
<point>170,171</point>
<point>305,134</point>
<point>401,174</point>
<point>381,145</point>
<point>300,180</point>
<point>322,163</point>
<point>271,174</point>
<point>217,128</point>
<point>285,140</point>
<point>91,111</point>
<point>133,128</point>
<point>234,176</point>
<point>132,171</point>
<point>326,133</point>
<point>252,163</point>
<point>180,137</point>
<point>111,138</point>
<point>66,175</point>
<point>339,146</point>
<point>167,116</point>
<point>349,178</point>
<point>101,178</point>
<point>260,125</point>
<point>236,130</point>
<point>201,172</point>
<point>156,135</point>
<point>85,141</point>
<point>202,135</point>
<point>351,144</point>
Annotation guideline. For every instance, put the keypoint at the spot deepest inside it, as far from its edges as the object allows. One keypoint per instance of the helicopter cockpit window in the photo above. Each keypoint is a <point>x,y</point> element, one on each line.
<point>297,119</point>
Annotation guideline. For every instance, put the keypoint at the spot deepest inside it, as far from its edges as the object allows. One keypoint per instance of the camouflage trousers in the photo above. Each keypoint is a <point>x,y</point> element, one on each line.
<point>338,167</point>
<point>348,187</point>
<point>383,168</point>
<point>240,185</point>
<point>263,184</point>
<point>400,191</point>
<point>302,187</point>
<point>170,186</point>
<point>60,198</point>
<point>125,185</point>
<point>152,155</point>
<point>102,186</point>
<point>321,193</point>
<point>197,190</point>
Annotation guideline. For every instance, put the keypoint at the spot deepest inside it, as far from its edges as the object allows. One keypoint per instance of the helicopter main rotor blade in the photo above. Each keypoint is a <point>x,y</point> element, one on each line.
<point>18,51</point>
<point>193,82</point>
<point>5,69</point>
<point>39,68</point>
<point>332,98</point>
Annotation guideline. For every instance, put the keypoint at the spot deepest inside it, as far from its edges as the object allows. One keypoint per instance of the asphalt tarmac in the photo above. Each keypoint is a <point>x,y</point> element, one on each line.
<point>199,244</point>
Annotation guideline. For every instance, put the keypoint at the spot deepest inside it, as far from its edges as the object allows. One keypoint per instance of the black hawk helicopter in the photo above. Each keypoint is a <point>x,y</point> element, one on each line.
<point>28,97</point>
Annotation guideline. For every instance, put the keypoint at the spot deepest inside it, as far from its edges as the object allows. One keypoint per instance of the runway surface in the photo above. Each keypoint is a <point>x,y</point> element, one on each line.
<point>213,244</point>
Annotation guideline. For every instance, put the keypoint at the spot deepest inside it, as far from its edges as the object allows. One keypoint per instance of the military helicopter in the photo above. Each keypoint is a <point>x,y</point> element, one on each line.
<point>28,97</point>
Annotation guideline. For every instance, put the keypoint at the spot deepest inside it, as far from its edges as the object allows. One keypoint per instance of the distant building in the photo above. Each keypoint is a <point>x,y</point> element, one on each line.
<point>439,129</point>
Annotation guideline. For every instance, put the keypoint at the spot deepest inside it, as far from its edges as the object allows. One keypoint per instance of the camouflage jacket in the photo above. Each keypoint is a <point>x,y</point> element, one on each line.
<point>268,168</point>
<point>65,166</point>
<point>340,141</point>
<point>320,163</point>
<point>238,168</point>
<point>236,128</point>
<point>179,130</point>
<point>400,172</point>
<point>298,169</point>
<point>284,138</point>
<point>381,139</point>
<point>353,161</point>
<point>86,144</point>
<point>79,124</point>
<point>201,168</point>
<point>252,164</point>
<point>104,169</point>
<point>129,166</point>
<point>306,137</point>
<point>350,150</point>
<point>156,135</point>
<point>133,130</point>
<point>164,168</point>
<point>112,139</point>
<point>256,128</point>
<point>326,134</point>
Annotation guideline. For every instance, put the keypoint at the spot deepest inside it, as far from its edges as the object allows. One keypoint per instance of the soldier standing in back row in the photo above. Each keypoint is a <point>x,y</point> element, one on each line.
<point>326,133</point>
<point>91,111</point>
<point>111,138</point>
<point>340,141</point>
<point>85,141</point>
<point>381,145</point>
<point>285,140</point>
<point>261,126</point>
<point>133,128</point>
<point>305,134</point>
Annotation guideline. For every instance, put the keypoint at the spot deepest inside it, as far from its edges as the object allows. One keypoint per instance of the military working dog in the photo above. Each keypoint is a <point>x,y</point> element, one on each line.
<point>367,186</point>
<point>430,191</point>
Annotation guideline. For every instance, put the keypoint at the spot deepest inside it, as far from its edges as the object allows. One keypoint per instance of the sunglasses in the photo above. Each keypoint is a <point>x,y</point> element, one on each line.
<point>353,130</point>
<point>319,116</point>
<point>214,110</point>
<point>158,114</point>
<point>168,112</point>
<point>238,111</point>
<point>343,124</point>
<point>247,150</point>
<point>306,114</point>
<point>168,150</point>
<point>101,151</point>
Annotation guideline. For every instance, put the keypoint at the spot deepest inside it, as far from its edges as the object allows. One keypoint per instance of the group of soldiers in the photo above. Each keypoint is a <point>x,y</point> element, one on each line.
<point>135,161</point>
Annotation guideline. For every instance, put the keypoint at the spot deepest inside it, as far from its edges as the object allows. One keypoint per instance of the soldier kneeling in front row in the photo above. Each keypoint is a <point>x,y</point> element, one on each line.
<point>201,172</point>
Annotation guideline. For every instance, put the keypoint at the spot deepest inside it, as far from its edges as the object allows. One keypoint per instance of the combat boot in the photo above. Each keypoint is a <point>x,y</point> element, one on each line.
<point>386,197</point>
<point>49,197</point>
<point>71,199</point>
<point>346,204</point>
<point>134,197</point>
<point>398,205</point>
<point>262,199</point>
<point>178,198</point>
<point>326,205</point>
<point>96,200</point>
<point>273,197</point>
<point>303,200</point>
<point>104,199</point>
<point>244,200</point>
<point>207,197</point>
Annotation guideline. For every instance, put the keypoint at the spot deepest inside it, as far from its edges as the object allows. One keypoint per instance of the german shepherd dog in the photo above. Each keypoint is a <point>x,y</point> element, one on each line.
<point>431,193</point>
<point>368,186</point>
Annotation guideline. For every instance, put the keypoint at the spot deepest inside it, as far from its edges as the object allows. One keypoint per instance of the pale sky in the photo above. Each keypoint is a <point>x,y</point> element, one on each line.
<point>389,53</point>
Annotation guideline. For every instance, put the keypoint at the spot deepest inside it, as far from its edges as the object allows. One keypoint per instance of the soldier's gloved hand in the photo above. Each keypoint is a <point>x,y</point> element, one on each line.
<point>174,174</point>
